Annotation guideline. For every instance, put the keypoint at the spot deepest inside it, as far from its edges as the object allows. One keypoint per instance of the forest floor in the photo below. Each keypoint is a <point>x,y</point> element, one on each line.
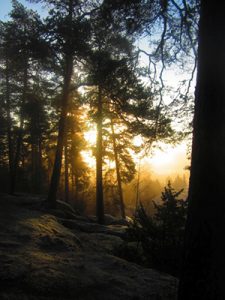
<point>57,254</point>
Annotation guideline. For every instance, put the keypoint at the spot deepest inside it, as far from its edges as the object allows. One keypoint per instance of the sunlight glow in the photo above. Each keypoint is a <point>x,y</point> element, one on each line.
<point>90,136</point>
<point>169,159</point>
<point>138,141</point>
<point>165,160</point>
<point>89,159</point>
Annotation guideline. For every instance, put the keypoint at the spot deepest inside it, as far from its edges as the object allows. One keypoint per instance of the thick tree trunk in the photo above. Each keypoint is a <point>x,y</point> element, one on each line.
<point>119,182</point>
<point>61,133</point>
<point>204,258</point>
<point>99,183</point>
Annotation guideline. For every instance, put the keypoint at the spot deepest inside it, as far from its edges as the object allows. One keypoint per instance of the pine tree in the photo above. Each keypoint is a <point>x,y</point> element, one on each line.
<point>109,54</point>
<point>76,170</point>
<point>68,29</point>
<point>19,43</point>
<point>171,215</point>
<point>162,234</point>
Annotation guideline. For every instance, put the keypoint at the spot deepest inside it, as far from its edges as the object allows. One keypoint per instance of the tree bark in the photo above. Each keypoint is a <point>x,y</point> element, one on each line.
<point>68,71</point>
<point>40,169</point>
<point>33,165</point>
<point>77,188</point>
<point>99,183</point>
<point>20,133</point>
<point>119,182</point>
<point>204,254</point>
<point>66,163</point>
<point>61,133</point>
<point>137,200</point>
<point>9,128</point>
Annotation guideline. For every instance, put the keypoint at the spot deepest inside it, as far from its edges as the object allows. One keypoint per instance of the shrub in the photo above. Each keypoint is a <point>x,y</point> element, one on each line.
<point>161,235</point>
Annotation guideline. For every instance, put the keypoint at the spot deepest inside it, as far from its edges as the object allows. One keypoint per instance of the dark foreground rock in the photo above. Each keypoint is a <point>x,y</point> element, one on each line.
<point>43,257</point>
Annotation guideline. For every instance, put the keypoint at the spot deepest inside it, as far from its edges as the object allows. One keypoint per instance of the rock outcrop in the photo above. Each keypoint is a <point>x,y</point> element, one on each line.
<point>46,256</point>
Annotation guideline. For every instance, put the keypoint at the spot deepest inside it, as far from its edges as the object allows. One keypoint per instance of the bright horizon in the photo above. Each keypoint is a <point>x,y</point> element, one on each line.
<point>165,161</point>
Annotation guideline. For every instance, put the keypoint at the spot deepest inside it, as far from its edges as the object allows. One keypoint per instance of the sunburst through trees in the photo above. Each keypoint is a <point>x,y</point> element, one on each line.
<point>72,104</point>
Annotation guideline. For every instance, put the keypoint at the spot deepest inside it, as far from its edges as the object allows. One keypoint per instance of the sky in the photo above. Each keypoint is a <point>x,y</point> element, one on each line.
<point>6,5</point>
<point>165,161</point>
<point>168,161</point>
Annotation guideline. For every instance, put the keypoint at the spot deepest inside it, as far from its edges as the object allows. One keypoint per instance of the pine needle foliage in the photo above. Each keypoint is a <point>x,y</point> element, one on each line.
<point>161,235</point>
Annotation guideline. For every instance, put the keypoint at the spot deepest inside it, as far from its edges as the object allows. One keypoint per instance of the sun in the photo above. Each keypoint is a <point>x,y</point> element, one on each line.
<point>165,159</point>
<point>168,159</point>
<point>161,158</point>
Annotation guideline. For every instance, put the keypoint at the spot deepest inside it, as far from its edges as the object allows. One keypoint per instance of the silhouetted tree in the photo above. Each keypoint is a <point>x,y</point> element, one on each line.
<point>107,63</point>
<point>76,170</point>
<point>67,27</point>
<point>161,235</point>
<point>204,262</point>
<point>18,54</point>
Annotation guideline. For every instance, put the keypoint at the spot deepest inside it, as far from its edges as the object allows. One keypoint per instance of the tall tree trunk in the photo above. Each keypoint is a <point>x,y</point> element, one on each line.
<point>74,181</point>
<point>99,182</point>
<point>66,165</point>
<point>9,127</point>
<point>119,182</point>
<point>36,166</point>
<point>77,188</point>
<point>33,165</point>
<point>20,133</point>
<point>61,133</point>
<point>137,200</point>
<point>39,168</point>
<point>204,258</point>
<point>54,184</point>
